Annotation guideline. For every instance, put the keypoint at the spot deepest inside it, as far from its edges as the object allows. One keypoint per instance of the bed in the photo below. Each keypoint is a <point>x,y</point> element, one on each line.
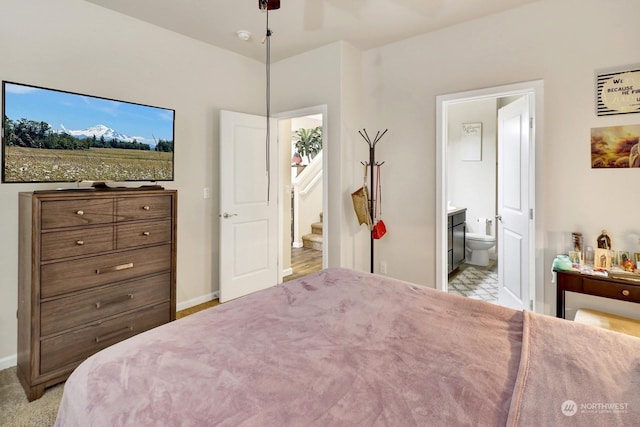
<point>347,348</point>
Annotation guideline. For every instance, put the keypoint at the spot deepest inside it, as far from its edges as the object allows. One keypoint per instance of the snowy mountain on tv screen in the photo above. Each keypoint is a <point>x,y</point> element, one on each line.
<point>101,131</point>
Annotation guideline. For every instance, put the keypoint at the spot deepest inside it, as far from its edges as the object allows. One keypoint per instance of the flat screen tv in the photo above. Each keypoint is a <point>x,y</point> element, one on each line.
<point>52,135</point>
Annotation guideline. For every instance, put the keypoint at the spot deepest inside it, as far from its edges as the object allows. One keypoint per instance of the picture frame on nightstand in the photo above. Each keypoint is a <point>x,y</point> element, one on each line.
<point>575,257</point>
<point>602,259</point>
<point>623,256</point>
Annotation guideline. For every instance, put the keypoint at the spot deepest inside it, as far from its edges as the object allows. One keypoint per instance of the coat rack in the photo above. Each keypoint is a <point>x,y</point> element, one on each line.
<point>371,164</point>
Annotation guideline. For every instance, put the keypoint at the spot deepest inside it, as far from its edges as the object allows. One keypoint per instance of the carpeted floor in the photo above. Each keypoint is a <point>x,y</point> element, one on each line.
<point>17,411</point>
<point>475,282</point>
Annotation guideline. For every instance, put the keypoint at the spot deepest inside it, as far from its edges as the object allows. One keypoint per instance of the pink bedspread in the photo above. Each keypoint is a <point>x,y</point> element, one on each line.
<point>346,348</point>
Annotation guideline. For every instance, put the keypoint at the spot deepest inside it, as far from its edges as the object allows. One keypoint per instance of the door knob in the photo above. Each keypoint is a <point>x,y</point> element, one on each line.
<point>228,215</point>
<point>499,218</point>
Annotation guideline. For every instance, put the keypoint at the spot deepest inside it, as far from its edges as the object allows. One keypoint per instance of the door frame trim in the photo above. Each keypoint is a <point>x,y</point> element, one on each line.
<point>536,263</point>
<point>316,109</point>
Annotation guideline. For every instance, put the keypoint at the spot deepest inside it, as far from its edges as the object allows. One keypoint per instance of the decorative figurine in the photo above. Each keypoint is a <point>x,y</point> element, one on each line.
<point>577,241</point>
<point>627,265</point>
<point>604,241</point>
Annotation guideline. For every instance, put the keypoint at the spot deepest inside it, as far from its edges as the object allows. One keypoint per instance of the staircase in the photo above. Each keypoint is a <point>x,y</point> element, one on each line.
<point>314,240</point>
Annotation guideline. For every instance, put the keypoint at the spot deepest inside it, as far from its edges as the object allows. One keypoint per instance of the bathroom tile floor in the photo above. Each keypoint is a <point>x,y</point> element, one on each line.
<point>475,282</point>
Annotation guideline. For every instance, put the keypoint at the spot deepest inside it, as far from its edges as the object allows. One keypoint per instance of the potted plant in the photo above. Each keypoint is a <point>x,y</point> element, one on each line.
<point>308,142</point>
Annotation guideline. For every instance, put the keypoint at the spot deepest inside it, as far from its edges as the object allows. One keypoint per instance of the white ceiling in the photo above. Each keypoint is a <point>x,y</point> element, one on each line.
<point>301,25</point>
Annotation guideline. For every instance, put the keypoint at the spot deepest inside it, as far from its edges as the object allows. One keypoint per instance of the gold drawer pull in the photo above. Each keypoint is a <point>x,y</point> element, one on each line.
<point>80,242</point>
<point>146,207</point>
<point>121,298</point>
<point>80,212</point>
<point>146,233</point>
<point>626,292</point>
<point>114,334</point>
<point>114,268</point>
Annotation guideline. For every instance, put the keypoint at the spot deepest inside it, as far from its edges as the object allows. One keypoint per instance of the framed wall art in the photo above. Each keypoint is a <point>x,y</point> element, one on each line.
<point>618,91</point>
<point>471,141</point>
<point>615,147</point>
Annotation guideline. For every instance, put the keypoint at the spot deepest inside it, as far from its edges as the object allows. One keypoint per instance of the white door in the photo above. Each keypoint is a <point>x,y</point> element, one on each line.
<point>248,211</point>
<point>514,135</point>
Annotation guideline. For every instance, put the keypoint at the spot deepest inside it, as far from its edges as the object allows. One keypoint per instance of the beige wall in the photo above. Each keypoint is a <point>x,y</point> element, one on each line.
<point>561,42</point>
<point>77,46</point>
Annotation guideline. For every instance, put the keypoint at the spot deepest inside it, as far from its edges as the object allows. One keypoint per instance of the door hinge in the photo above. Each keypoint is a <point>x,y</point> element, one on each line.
<point>530,122</point>
<point>530,213</point>
<point>530,305</point>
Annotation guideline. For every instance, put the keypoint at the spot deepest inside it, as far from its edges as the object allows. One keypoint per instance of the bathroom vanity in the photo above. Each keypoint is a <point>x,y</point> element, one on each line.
<point>456,238</point>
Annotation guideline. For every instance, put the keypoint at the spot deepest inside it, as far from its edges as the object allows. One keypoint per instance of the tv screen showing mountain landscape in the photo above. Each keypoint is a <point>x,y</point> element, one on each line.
<point>57,136</point>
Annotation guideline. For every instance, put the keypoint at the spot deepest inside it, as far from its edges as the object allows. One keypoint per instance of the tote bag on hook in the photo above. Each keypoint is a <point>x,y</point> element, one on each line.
<point>360,199</point>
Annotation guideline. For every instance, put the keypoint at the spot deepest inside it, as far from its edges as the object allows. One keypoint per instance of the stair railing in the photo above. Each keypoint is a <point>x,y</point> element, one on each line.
<point>301,185</point>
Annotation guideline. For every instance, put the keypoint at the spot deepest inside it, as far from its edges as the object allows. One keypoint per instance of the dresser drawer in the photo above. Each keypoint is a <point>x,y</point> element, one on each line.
<point>142,233</point>
<point>65,313</point>
<point>85,241</point>
<point>69,213</point>
<point>149,207</point>
<point>62,350</point>
<point>612,290</point>
<point>67,276</point>
<point>571,282</point>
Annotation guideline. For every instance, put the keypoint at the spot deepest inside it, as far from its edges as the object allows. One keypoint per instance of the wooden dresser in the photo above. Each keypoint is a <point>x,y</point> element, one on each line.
<point>605,287</point>
<point>95,267</point>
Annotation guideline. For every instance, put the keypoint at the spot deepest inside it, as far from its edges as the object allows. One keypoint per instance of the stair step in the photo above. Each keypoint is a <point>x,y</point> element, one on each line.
<point>312,241</point>
<point>316,228</point>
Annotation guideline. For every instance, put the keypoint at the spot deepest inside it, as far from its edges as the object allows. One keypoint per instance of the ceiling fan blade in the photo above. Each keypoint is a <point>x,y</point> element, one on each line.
<point>313,14</point>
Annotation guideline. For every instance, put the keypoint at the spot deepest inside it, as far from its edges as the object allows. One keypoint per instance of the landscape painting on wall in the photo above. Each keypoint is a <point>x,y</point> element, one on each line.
<point>615,147</point>
<point>58,136</point>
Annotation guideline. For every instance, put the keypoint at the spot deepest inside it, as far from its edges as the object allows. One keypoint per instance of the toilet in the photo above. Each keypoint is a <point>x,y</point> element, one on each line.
<point>478,245</point>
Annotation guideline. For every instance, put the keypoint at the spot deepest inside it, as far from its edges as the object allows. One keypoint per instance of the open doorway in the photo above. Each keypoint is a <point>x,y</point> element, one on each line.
<point>302,140</point>
<point>507,276</point>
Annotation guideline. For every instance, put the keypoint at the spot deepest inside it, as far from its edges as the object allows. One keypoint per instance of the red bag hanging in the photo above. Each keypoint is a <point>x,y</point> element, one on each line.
<point>379,229</point>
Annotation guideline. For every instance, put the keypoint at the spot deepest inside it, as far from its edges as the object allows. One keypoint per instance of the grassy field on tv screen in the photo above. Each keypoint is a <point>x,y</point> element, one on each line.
<point>96,164</point>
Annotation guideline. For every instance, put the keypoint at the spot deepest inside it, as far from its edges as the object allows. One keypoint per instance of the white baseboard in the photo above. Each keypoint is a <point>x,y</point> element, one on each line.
<point>195,301</point>
<point>8,362</point>
<point>297,245</point>
<point>287,272</point>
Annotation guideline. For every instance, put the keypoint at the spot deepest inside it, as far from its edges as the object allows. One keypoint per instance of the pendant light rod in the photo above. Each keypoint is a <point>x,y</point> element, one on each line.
<point>267,5</point>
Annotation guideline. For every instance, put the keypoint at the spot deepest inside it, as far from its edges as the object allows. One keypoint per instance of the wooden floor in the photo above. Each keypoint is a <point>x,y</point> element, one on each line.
<point>187,311</point>
<point>303,262</point>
